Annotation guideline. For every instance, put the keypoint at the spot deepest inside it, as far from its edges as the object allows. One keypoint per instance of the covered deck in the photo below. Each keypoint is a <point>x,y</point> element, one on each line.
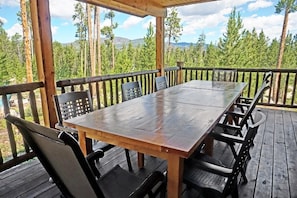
<point>271,172</point>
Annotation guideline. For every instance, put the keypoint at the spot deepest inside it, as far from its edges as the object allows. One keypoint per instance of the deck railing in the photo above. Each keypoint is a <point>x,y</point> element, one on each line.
<point>106,91</point>
<point>285,94</point>
<point>22,100</point>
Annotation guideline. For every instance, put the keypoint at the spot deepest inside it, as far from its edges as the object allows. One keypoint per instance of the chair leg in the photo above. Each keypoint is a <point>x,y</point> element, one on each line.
<point>128,159</point>
<point>234,193</point>
<point>245,180</point>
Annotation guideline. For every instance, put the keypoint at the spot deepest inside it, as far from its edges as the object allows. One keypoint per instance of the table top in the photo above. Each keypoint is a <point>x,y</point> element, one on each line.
<point>173,120</point>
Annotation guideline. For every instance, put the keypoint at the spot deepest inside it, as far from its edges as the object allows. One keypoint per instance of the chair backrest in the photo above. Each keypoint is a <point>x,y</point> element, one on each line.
<point>267,77</point>
<point>161,82</point>
<point>254,102</point>
<point>131,90</point>
<point>229,75</point>
<point>62,158</point>
<point>72,104</point>
<point>243,153</point>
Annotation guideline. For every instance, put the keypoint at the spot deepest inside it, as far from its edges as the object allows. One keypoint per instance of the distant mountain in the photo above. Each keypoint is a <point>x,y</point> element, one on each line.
<point>120,41</point>
<point>182,44</point>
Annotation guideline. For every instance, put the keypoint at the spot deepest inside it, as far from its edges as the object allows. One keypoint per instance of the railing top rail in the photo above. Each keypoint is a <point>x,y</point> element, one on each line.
<point>243,69</point>
<point>10,89</point>
<point>173,68</point>
<point>79,81</point>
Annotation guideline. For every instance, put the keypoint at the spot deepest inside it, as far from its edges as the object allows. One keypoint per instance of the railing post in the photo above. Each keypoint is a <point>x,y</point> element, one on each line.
<point>179,79</point>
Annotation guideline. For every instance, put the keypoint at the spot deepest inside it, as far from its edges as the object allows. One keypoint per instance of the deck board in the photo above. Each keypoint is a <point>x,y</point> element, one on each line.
<point>272,171</point>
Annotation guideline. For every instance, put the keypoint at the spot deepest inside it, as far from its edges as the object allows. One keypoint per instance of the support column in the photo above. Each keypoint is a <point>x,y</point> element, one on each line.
<point>160,45</point>
<point>44,55</point>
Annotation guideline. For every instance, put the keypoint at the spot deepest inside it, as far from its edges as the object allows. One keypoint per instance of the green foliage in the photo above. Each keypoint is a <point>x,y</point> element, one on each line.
<point>230,45</point>
<point>290,5</point>
<point>11,58</point>
<point>237,47</point>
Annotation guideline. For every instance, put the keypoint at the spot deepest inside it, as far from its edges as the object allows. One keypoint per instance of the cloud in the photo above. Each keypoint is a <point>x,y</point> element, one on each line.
<point>3,20</point>
<point>146,24</point>
<point>54,29</point>
<point>131,21</point>
<point>259,4</point>
<point>211,8</point>
<point>15,29</point>
<point>10,3</point>
<point>62,9</point>
<point>271,25</point>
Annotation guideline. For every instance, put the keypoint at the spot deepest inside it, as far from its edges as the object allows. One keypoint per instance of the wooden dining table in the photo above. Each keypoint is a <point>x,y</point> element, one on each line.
<point>169,124</point>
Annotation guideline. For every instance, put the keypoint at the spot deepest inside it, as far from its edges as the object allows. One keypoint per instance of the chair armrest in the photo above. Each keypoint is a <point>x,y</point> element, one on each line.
<point>226,127</point>
<point>242,104</point>
<point>91,158</point>
<point>235,114</point>
<point>66,129</point>
<point>227,138</point>
<point>213,168</point>
<point>95,155</point>
<point>246,100</point>
<point>156,180</point>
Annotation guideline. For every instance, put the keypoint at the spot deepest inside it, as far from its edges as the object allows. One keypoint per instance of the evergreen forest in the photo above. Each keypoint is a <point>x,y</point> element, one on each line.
<point>91,55</point>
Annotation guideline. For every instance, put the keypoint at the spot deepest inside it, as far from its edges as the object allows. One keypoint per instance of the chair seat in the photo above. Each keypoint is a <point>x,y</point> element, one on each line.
<point>119,179</point>
<point>124,182</point>
<point>200,179</point>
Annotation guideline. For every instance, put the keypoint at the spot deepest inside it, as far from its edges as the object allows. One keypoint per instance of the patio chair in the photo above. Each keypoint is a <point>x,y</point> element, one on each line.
<point>244,101</point>
<point>62,158</point>
<point>131,90</point>
<point>229,75</point>
<point>240,119</point>
<point>232,140</point>
<point>73,104</point>
<point>211,177</point>
<point>161,82</point>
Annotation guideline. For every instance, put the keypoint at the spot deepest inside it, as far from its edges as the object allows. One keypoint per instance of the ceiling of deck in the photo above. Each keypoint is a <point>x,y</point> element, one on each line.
<point>143,8</point>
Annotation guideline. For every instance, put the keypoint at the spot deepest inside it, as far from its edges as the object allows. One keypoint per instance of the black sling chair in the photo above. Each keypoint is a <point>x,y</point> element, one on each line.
<point>62,158</point>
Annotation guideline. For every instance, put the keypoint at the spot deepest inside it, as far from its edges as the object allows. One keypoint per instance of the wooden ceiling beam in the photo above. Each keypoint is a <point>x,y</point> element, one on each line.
<point>151,6</point>
<point>168,3</point>
<point>140,8</point>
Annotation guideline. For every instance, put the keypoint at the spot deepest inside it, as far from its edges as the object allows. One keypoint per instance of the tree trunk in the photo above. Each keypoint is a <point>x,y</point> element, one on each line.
<point>26,39</point>
<point>98,41</point>
<point>280,55</point>
<point>90,38</point>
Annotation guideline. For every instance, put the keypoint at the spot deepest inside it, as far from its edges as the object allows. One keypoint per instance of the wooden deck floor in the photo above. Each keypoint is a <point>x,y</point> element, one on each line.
<point>272,172</point>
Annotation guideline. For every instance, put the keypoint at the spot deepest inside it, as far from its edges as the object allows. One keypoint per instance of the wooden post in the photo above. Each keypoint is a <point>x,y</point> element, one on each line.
<point>180,64</point>
<point>44,55</point>
<point>160,45</point>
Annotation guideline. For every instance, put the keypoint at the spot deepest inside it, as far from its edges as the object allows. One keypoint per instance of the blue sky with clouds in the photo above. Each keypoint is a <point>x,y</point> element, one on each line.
<point>207,18</point>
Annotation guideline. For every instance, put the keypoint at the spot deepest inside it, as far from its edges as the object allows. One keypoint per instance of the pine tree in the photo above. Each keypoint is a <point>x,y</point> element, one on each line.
<point>288,6</point>
<point>230,43</point>
<point>173,29</point>
<point>108,32</point>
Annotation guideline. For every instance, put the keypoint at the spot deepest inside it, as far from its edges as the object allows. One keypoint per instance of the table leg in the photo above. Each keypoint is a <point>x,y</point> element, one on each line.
<point>208,145</point>
<point>175,176</point>
<point>140,157</point>
<point>82,142</point>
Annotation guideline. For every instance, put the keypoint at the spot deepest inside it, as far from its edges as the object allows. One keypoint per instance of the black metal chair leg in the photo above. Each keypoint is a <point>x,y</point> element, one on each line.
<point>128,159</point>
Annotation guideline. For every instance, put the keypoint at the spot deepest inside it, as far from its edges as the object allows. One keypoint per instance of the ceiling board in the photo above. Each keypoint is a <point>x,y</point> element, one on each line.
<point>143,8</point>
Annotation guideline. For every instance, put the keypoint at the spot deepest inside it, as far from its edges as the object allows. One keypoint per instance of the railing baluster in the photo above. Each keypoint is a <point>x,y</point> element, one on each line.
<point>98,95</point>
<point>294,90</point>
<point>104,94</point>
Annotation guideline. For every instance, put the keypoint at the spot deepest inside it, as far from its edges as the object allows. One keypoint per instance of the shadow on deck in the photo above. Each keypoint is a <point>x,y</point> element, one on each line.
<point>272,172</point>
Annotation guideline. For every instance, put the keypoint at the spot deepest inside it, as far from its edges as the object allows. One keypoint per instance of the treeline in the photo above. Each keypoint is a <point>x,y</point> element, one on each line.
<point>238,48</point>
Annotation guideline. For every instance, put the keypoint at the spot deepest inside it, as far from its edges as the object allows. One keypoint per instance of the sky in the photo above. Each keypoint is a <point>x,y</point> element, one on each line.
<point>209,19</point>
